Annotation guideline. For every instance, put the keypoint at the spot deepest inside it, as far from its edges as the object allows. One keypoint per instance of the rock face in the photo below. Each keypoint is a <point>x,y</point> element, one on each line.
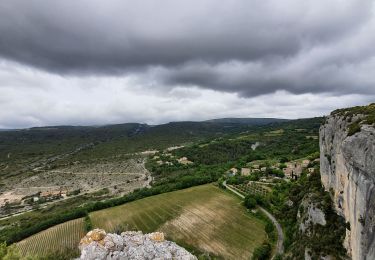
<point>347,165</point>
<point>312,215</point>
<point>98,245</point>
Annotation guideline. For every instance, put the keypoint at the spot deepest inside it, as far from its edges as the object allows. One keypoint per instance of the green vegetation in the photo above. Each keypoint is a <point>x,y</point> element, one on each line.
<point>326,239</point>
<point>250,202</point>
<point>13,253</point>
<point>262,252</point>
<point>87,223</point>
<point>367,116</point>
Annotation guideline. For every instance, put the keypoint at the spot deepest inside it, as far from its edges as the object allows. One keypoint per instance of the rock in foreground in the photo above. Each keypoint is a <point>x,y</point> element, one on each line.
<point>98,245</point>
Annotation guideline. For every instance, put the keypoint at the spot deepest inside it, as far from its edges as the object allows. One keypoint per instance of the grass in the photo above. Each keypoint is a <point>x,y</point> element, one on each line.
<point>62,237</point>
<point>203,219</point>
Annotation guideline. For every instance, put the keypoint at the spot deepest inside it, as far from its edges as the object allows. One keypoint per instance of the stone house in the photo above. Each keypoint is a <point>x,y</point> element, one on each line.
<point>184,160</point>
<point>245,171</point>
<point>305,163</point>
<point>233,171</point>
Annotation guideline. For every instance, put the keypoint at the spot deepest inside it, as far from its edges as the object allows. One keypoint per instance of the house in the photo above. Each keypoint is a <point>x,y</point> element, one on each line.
<point>149,152</point>
<point>263,169</point>
<point>255,170</point>
<point>184,160</point>
<point>311,170</point>
<point>175,148</point>
<point>290,164</point>
<point>293,170</point>
<point>297,171</point>
<point>245,171</point>
<point>305,163</point>
<point>50,194</point>
<point>234,171</point>
<point>255,166</point>
<point>317,160</point>
<point>288,172</point>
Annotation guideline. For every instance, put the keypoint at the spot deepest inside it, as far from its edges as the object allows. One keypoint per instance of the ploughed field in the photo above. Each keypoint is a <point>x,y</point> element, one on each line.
<point>202,219</point>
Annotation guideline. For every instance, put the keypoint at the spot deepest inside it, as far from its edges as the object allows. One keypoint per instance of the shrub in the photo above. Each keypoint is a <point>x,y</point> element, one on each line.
<point>250,202</point>
<point>87,223</point>
<point>262,252</point>
<point>354,128</point>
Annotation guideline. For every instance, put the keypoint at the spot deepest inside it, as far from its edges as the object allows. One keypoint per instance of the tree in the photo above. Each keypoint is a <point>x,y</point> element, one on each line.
<point>250,202</point>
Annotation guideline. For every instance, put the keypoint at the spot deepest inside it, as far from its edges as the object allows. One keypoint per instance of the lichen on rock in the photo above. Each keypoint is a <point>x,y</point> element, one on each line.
<point>99,245</point>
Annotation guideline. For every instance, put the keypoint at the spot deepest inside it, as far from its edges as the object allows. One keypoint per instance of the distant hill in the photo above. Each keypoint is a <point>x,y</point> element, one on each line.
<point>247,121</point>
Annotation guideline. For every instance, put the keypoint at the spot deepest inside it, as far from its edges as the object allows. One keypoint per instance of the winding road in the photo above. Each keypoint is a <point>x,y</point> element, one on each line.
<point>280,234</point>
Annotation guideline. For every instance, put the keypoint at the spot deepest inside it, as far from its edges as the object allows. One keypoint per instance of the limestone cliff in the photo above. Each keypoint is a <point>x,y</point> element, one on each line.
<point>347,162</point>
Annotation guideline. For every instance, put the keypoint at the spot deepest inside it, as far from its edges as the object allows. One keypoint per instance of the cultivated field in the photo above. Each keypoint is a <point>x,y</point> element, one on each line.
<point>203,219</point>
<point>57,238</point>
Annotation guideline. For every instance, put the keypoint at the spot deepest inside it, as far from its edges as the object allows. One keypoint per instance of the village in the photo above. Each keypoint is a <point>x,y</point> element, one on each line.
<point>289,170</point>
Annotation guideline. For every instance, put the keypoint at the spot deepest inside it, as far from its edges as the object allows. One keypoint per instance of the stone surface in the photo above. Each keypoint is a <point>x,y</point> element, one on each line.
<point>313,215</point>
<point>130,245</point>
<point>347,165</point>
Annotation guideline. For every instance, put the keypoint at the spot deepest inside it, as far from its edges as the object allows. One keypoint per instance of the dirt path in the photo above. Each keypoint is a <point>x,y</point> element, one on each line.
<point>280,234</point>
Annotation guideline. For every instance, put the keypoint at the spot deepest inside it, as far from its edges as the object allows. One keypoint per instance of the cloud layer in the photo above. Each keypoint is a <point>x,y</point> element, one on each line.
<point>148,49</point>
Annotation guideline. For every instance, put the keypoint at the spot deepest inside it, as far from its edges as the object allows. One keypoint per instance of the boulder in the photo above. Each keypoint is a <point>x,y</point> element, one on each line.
<point>99,245</point>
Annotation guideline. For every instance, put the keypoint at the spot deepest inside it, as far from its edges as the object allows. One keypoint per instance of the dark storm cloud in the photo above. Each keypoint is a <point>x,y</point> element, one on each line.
<point>249,47</point>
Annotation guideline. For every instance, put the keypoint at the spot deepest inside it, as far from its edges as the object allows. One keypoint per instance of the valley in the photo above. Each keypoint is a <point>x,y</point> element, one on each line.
<point>181,179</point>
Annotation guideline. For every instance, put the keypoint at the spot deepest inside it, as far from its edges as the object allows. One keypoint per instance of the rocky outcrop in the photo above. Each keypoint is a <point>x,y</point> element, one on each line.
<point>98,245</point>
<point>347,164</point>
<point>311,215</point>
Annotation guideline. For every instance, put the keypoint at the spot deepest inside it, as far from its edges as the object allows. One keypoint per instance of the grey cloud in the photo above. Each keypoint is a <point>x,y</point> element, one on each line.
<point>247,47</point>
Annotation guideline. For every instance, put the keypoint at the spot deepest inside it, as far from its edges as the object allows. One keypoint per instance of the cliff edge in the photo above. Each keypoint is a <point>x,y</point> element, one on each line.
<point>347,164</point>
<point>99,245</point>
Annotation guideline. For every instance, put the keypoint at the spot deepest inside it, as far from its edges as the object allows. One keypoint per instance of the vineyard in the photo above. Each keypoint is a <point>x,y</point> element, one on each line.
<point>203,219</point>
<point>58,238</point>
<point>252,188</point>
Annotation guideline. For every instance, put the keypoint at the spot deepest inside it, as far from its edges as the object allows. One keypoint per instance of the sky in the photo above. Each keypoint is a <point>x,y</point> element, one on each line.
<point>92,62</point>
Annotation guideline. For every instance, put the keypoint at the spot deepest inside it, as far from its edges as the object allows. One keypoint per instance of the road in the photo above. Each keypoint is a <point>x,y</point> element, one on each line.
<point>280,234</point>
